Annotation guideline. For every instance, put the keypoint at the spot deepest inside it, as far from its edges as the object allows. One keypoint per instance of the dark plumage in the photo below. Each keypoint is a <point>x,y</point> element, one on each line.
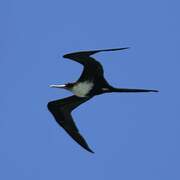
<point>90,84</point>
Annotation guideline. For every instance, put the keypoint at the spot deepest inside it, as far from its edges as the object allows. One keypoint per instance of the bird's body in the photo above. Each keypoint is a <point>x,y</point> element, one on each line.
<point>90,84</point>
<point>82,89</point>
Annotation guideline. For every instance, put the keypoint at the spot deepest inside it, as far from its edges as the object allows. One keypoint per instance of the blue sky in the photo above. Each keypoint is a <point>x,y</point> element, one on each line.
<point>134,136</point>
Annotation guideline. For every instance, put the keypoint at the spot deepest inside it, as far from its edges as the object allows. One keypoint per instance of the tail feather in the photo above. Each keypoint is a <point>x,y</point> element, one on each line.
<point>127,90</point>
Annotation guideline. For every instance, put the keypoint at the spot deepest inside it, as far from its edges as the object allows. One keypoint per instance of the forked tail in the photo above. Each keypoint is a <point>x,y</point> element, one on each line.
<point>127,90</point>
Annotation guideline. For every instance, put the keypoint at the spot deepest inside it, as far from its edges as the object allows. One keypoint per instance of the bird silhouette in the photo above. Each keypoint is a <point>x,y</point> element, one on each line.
<point>90,83</point>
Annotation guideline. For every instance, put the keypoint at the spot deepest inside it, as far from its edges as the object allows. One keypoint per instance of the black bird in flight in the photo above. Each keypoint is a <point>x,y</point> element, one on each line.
<point>90,84</point>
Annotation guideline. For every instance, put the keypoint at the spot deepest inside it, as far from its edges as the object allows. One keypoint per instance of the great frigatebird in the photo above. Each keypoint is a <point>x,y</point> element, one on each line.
<point>90,84</point>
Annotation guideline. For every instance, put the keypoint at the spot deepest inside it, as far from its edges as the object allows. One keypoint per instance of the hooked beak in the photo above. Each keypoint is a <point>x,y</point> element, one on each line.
<point>57,86</point>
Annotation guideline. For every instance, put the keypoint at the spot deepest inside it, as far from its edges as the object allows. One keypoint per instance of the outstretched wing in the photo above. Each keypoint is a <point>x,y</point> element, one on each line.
<point>61,110</point>
<point>92,68</point>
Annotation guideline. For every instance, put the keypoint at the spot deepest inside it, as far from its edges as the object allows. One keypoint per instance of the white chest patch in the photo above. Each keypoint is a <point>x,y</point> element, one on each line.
<point>82,89</point>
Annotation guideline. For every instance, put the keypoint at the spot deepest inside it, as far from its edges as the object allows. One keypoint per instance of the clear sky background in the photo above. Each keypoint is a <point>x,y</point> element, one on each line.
<point>134,136</point>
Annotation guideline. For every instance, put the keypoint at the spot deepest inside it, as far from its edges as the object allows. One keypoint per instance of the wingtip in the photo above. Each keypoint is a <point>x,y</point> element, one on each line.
<point>114,49</point>
<point>125,48</point>
<point>91,52</point>
<point>89,150</point>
